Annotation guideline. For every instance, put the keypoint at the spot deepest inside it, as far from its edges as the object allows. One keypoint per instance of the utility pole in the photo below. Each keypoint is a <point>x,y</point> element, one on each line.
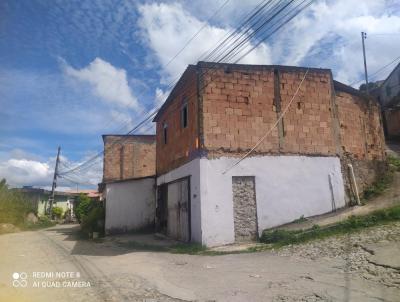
<point>363,37</point>
<point>53,187</point>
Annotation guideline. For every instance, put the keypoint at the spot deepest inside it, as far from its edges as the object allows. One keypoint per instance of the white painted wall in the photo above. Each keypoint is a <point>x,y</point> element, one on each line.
<point>191,169</point>
<point>287,187</point>
<point>130,205</point>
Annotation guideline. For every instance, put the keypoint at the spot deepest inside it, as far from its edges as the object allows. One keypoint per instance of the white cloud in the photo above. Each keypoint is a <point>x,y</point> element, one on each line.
<point>20,169</point>
<point>108,82</point>
<point>167,27</point>
<point>160,97</point>
<point>329,35</point>
<point>326,35</point>
<point>20,172</point>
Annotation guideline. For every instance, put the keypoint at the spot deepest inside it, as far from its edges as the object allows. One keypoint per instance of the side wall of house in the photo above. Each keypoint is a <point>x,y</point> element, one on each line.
<point>128,157</point>
<point>287,187</point>
<point>390,90</point>
<point>130,205</point>
<point>316,187</point>
<point>393,123</point>
<point>182,143</point>
<point>362,139</point>
<point>240,106</point>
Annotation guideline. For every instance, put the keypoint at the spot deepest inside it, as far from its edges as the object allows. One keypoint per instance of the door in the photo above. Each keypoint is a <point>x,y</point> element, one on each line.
<point>161,209</point>
<point>178,226</point>
<point>244,208</point>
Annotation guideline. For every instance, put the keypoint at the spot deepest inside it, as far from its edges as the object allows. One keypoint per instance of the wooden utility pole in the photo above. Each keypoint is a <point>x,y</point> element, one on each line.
<point>363,37</point>
<point>53,187</point>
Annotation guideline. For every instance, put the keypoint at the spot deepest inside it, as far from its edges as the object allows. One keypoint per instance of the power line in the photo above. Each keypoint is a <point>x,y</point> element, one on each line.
<point>101,152</point>
<point>269,131</point>
<point>197,33</point>
<point>378,71</point>
<point>207,71</point>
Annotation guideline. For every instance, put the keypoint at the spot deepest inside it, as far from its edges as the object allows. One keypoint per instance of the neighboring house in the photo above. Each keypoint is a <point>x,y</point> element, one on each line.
<point>128,182</point>
<point>92,194</point>
<point>218,112</point>
<point>389,98</point>
<point>40,198</point>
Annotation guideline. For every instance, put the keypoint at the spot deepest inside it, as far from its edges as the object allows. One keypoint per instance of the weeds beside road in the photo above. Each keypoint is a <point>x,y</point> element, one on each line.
<point>281,237</point>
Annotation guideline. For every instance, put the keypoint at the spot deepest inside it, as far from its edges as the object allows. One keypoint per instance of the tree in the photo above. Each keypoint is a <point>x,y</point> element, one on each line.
<point>371,86</point>
<point>82,206</point>
<point>3,184</point>
<point>57,212</point>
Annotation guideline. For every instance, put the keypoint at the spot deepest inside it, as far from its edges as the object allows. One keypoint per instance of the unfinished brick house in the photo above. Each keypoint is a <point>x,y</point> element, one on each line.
<point>218,112</point>
<point>389,97</point>
<point>128,182</point>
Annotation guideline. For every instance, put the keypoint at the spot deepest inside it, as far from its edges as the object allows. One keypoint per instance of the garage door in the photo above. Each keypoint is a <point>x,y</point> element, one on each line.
<point>178,210</point>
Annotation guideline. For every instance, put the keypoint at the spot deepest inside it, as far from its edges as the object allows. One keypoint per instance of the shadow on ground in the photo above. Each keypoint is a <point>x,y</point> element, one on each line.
<point>113,245</point>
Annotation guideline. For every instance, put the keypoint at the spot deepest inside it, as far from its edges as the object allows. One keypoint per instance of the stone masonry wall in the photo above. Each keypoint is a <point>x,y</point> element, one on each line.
<point>245,208</point>
<point>130,156</point>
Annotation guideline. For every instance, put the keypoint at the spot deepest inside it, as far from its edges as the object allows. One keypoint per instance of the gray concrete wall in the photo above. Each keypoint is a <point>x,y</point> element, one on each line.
<point>130,205</point>
<point>391,87</point>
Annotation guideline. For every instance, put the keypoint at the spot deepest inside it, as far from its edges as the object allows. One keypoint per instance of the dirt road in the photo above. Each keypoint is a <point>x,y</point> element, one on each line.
<point>335,270</point>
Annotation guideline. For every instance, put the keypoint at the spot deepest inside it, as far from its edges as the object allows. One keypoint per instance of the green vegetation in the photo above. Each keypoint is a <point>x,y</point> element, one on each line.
<point>14,208</point>
<point>378,187</point>
<point>82,206</point>
<point>93,221</point>
<point>280,237</point>
<point>300,219</point>
<point>43,222</point>
<point>90,214</point>
<point>57,212</point>
<point>394,163</point>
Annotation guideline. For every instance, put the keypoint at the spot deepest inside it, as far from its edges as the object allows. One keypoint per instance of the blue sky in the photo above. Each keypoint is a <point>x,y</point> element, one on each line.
<point>73,70</point>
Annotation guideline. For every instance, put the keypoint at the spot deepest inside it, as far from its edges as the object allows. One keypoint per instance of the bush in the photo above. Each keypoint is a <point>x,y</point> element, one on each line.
<point>90,214</point>
<point>43,222</point>
<point>394,163</point>
<point>378,187</point>
<point>93,221</point>
<point>13,206</point>
<point>82,207</point>
<point>277,235</point>
<point>57,212</point>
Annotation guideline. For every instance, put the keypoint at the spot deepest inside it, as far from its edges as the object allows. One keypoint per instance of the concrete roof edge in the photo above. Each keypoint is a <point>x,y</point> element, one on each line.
<point>128,179</point>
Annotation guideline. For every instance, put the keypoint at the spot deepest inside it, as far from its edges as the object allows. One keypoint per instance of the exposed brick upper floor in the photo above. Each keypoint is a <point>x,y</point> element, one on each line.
<point>128,156</point>
<point>231,107</point>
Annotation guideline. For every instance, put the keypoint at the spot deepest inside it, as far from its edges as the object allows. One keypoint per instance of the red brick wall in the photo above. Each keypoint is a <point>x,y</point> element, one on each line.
<point>238,104</point>
<point>360,127</point>
<point>239,108</point>
<point>182,142</point>
<point>126,157</point>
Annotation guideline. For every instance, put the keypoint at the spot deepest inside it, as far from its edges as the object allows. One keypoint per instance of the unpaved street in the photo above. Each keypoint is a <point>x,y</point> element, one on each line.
<point>342,269</point>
